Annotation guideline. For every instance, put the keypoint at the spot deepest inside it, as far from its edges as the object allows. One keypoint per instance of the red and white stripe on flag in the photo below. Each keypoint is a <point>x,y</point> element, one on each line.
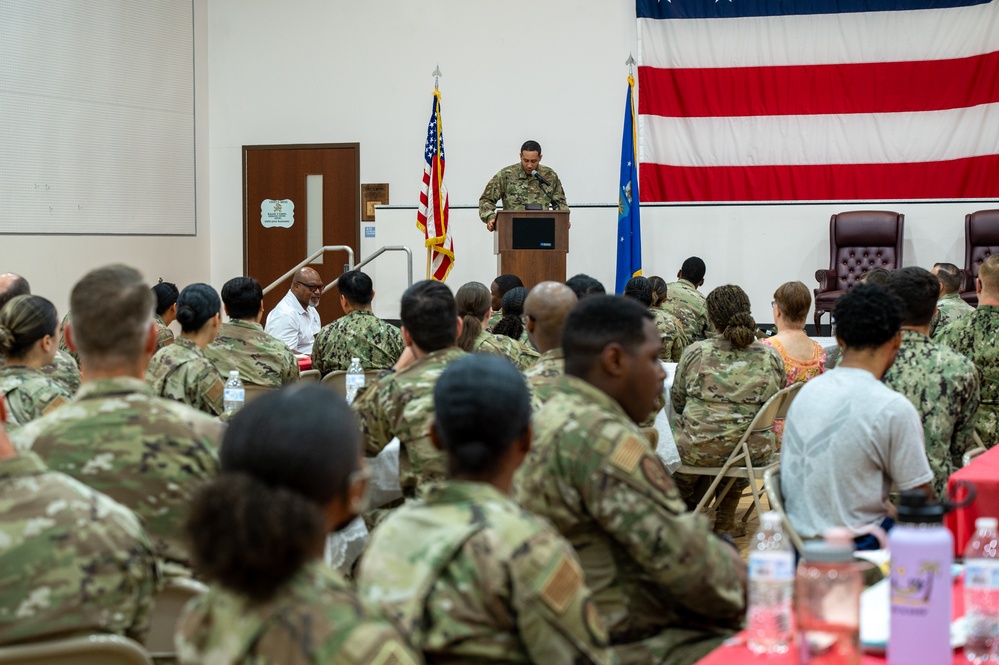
<point>432,215</point>
<point>759,100</point>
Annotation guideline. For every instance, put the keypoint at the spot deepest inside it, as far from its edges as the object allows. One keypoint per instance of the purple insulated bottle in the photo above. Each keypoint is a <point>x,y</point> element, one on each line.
<point>922,551</point>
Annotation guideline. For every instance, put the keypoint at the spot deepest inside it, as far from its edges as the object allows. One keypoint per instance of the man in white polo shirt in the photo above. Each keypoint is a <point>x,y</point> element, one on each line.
<point>848,438</point>
<point>295,320</point>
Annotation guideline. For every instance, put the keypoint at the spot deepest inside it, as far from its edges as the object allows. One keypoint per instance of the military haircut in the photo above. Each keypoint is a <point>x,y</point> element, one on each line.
<point>531,146</point>
<point>356,287</point>
<point>512,325</point>
<point>166,296</point>
<point>950,276</point>
<point>506,282</point>
<point>472,302</point>
<point>18,287</point>
<point>429,315</point>
<point>23,321</point>
<point>476,426</point>
<point>729,311</point>
<point>597,322</point>
<point>659,289</point>
<point>639,289</point>
<point>794,300</point>
<point>583,285</point>
<point>879,276</point>
<point>112,309</point>
<point>867,316</point>
<point>242,297</point>
<point>917,289</point>
<point>195,305</point>
<point>988,272</point>
<point>693,270</point>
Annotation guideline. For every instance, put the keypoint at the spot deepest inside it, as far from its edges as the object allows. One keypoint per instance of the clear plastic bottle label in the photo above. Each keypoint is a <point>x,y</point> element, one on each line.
<point>234,395</point>
<point>772,565</point>
<point>355,381</point>
<point>981,574</point>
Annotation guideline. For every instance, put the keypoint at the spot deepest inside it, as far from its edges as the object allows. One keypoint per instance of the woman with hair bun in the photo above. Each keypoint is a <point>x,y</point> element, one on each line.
<point>291,473</point>
<point>474,303</point>
<point>721,383</point>
<point>165,312</point>
<point>181,371</point>
<point>28,342</point>
<point>466,573</point>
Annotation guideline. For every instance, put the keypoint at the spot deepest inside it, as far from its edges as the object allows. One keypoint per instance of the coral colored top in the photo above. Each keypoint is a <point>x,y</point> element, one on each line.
<point>798,371</point>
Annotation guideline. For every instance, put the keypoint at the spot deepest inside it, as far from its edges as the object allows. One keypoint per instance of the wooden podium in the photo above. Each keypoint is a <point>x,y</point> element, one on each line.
<point>532,244</point>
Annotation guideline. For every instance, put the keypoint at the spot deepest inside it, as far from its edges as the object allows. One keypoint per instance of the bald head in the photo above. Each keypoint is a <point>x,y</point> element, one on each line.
<point>546,308</point>
<point>11,286</point>
<point>307,286</point>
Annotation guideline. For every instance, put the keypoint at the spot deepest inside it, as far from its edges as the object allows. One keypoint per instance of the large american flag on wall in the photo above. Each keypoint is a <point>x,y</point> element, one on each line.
<point>777,100</point>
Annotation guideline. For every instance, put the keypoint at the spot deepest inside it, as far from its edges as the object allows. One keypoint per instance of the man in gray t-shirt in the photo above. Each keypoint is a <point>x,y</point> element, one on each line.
<point>848,438</point>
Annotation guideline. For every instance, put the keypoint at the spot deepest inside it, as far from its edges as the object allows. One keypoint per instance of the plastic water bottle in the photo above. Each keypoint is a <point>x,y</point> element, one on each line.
<point>355,379</point>
<point>771,583</point>
<point>981,593</point>
<point>234,395</point>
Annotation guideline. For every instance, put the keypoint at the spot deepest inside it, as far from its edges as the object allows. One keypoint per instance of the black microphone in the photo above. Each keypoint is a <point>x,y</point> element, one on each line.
<point>540,177</point>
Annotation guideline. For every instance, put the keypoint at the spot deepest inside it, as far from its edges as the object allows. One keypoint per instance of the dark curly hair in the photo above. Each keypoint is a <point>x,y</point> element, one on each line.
<point>512,325</point>
<point>867,316</point>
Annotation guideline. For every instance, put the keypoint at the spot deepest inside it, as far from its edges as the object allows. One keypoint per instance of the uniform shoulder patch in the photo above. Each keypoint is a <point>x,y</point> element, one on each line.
<point>652,469</point>
<point>391,654</point>
<point>215,393</point>
<point>627,454</point>
<point>53,405</point>
<point>559,590</point>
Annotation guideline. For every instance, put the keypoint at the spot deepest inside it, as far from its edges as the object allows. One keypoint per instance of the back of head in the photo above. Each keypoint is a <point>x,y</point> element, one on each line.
<point>284,457</point>
<point>476,426</point>
<point>472,302</point>
<point>879,276</point>
<point>512,325</point>
<point>196,304</point>
<point>658,285</point>
<point>12,286</point>
<point>356,287</point>
<point>112,309</point>
<point>640,289</point>
<point>507,282</point>
<point>429,314</point>
<point>548,304</point>
<point>166,295</point>
<point>794,300</point>
<point>693,270</point>
<point>917,289</point>
<point>242,297</point>
<point>597,322</point>
<point>583,285</point>
<point>949,276</point>
<point>729,311</point>
<point>867,316</point>
<point>988,273</point>
<point>23,321</point>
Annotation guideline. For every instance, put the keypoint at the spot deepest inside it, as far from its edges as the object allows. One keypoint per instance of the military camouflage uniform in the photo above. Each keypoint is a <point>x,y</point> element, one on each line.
<point>687,304</point>
<point>494,318</point>
<point>669,591</point>
<point>164,336</point>
<point>943,386</point>
<point>471,577</point>
<point>183,372</point>
<point>29,393</point>
<point>671,333</point>
<point>401,405</point>
<point>147,453</point>
<point>72,561</point>
<point>518,189</point>
<point>63,370</point>
<point>501,345</point>
<point>262,360</point>
<point>314,619</point>
<point>542,374</point>
<point>976,336</point>
<point>68,318</point>
<point>360,334</point>
<point>950,307</point>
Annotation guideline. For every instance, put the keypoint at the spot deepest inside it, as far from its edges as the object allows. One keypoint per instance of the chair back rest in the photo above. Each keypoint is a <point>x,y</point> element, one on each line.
<point>310,376</point>
<point>338,380</point>
<point>84,650</point>
<point>771,481</point>
<point>253,391</point>
<point>789,394</point>
<point>981,239</point>
<point>863,240</point>
<point>168,605</point>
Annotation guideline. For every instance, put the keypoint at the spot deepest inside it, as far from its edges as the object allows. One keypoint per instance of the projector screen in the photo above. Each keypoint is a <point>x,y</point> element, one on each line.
<point>97,117</point>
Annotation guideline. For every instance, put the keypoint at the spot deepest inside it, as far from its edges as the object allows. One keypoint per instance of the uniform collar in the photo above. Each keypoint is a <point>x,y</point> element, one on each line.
<point>118,385</point>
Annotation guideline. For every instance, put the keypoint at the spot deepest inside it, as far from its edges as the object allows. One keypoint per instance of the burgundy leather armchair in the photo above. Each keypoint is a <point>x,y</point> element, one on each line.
<point>981,238</point>
<point>859,241</point>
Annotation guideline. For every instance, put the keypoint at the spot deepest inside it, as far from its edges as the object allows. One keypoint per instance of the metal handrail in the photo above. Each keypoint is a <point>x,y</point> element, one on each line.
<point>315,255</point>
<point>379,252</point>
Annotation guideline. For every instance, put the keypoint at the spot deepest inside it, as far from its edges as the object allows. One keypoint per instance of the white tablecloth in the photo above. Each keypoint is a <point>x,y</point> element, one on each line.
<point>666,450</point>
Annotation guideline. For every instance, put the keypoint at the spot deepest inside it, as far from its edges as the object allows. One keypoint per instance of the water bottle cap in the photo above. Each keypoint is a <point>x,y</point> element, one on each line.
<point>836,547</point>
<point>987,523</point>
<point>770,519</point>
<point>355,360</point>
<point>914,507</point>
<point>234,374</point>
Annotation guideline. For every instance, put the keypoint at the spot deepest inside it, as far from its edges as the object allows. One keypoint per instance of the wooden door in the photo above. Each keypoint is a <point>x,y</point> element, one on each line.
<point>280,174</point>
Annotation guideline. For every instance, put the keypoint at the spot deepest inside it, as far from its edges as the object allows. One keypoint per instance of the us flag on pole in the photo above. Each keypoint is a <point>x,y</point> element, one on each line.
<point>432,216</point>
<point>777,100</point>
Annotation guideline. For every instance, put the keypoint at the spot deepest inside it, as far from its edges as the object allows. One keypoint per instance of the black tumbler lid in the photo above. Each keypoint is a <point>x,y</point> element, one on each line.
<point>915,507</point>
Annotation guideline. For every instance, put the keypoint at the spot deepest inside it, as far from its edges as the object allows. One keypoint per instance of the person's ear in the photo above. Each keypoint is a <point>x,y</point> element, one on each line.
<point>612,359</point>
<point>435,437</point>
<point>67,334</point>
<point>151,337</point>
<point>407,339</point>
<point>978,285</point>
<point>3,410</point>
<point>461,326</point>
<point>343,303</point>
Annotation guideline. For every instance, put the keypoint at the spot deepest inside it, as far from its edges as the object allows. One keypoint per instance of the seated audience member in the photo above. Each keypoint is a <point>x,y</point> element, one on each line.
<point>165,312</point>
<point>497,290</point>
<point>720,385</point>
<point>849,438</point>
<point>583,285</point>
<point>294,320</point>
<point>292,473</point>
<point>63,368</point>
<point>686,303</point>
<point>670,329</point>
<point>803,357</point>
<point>545,310</point>
<point>879,276</point>
<point>147,453</point>
<point>241,344</point>
<point>401,404</point>
<point>28,343</point>
<point>976,336</point>
<point>941,384</point>
<point>74,562</point>
<point>182,371</point>
<point>63,347</point>
<point>660,294</point>
<point>512,328</point>
<point>466,573</point>
<point>950,305</point>
<point>472,302</point>
<point>667,588</point>
<point>359,333</point>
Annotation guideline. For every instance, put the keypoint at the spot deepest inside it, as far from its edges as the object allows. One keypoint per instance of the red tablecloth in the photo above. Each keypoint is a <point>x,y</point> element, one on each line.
<point>983,473</point>
<point>304,363</point>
